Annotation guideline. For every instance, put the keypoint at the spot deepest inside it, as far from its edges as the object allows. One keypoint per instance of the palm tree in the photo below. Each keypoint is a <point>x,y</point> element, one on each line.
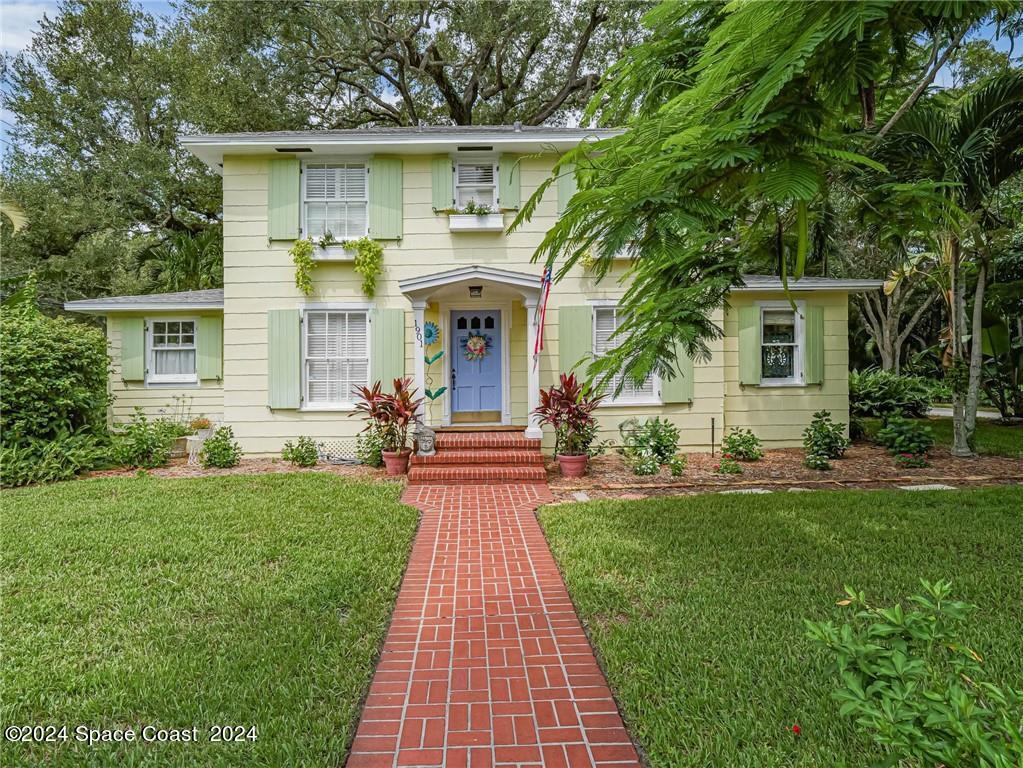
<point>969,149</point>
<point>186,261</point>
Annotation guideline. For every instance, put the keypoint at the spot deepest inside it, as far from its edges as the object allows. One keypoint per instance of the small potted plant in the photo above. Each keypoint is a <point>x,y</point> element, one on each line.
<point>568,407</point>
<point>391,415</point>
<point>201,427</point>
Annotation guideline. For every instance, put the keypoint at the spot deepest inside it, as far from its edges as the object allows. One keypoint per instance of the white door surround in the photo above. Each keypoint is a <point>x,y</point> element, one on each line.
<point>419,291</point>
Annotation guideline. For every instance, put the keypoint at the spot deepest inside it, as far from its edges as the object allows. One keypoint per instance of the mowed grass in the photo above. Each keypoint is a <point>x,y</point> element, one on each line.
<point>991,438</point>
<point>695,606</point>
<point>257,600</point>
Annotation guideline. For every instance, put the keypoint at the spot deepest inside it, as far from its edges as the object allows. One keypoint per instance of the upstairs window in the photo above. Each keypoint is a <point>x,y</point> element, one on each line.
<point>780,345</point>
<point>171,352</point>
<point>476,182</point>
<point>605,322</point>
<point>336,357</point>
<point>335,199</point>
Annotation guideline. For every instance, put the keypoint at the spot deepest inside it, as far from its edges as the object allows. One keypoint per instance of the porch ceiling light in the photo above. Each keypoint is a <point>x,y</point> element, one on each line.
<point>475,291</point>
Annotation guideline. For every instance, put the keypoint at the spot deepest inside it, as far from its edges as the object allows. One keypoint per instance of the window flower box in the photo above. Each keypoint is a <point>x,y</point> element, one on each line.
<point>473,222</point>
<point>333,253</point>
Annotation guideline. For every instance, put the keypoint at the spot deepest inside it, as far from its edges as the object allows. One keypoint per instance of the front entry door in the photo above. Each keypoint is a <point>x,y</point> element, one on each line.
<point>476,363</point>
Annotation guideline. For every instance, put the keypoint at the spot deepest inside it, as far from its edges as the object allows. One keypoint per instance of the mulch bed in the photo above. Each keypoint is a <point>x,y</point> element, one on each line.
<point>181,468</point>
<point>864,466</point>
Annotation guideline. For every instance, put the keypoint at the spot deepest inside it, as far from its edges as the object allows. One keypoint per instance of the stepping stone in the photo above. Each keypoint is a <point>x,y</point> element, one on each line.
<point>799,490</point>
<point>928,487</point>
<point>580,496</point>
<point>747,490</point>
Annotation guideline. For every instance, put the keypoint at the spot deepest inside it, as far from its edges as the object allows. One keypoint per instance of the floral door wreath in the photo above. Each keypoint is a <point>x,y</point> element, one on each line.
<point>476,346</point>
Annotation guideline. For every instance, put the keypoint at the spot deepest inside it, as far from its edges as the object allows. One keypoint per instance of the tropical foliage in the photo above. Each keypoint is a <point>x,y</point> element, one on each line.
<point>389,414</point>
<point>568,407</point>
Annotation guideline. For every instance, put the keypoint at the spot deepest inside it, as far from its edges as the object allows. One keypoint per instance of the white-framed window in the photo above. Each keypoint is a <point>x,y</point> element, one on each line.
<point>335,356</point>
<point>781,343</point>
<point>476,181</point>
<point>335,199</point>
<point>605,321</point>
<point>171,351</point>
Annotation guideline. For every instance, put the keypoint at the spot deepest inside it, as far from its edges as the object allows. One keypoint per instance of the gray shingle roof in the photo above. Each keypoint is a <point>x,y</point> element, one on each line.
<point>212,298</point>
<point>410,132</point>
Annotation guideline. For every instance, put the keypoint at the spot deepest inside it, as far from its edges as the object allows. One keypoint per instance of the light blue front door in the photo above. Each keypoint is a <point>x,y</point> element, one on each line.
<point>476,382</point>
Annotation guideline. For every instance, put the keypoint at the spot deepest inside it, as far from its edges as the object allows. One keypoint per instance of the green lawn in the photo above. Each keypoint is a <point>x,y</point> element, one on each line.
<point>992,438</point>
<point>220,601</point>
<point>695,605</point>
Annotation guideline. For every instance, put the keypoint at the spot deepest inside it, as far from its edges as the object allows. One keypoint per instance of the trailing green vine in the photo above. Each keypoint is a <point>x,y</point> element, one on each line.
<point>369,262</point>
<point>302,254</point>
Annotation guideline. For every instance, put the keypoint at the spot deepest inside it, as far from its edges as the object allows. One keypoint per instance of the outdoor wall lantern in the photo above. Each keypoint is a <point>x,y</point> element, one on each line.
<point>475,291</point>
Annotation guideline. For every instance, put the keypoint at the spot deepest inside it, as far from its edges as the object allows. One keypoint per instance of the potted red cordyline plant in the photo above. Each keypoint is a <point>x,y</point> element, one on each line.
<point>568,407</point>
<point>391,415</point>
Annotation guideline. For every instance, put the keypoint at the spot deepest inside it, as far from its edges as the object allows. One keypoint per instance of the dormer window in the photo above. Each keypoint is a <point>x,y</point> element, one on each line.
<point>476,181</point>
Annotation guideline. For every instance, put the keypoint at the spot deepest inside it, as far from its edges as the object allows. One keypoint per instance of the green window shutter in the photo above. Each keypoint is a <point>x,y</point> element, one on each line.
<point>211,347</point>
<point>679,388</point>
<point>387,346</point>
<point>284,358</point>
<point>443,184</point>
<point>813,345</point>
<point>509,171</point>
<point>575,339</point>
<point>749,346</point>
<point>385,196</point>
<point>282,198</point>
<point>566,187</point>
<point>133,348</point>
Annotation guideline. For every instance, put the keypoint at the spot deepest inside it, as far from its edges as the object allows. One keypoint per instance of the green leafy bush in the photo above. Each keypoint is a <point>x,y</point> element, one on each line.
<point>902,436</point>
<point>911,460</point>
<point>728,465</point>
<point>648,445</point>
<point>816,461</point>
<point>143,443</point>
<point>302,453</point>
<point>742,444</point>
<point>907,677</point>
<point>883,394</point>
<point>54,376</point>
<point>825,437</point>
<point>369,446</point>
<point>677,464</point>
<point>57,458</point>
<point>220,450</point>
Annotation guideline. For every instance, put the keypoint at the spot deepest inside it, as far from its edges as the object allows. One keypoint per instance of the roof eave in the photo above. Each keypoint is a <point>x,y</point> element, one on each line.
<point>845,286</point>
<point>100,308</point>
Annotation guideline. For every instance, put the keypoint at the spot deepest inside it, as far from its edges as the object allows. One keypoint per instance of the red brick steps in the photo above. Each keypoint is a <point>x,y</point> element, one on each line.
<point>480,457</point>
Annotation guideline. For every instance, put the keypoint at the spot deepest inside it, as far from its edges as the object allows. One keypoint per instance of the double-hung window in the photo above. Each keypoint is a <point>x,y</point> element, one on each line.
<point>171,352</point>
<point>335,200</point>
<point>336,357</point>
<point>781,353</point>
<point>476,182</point>
<point>605,322</point>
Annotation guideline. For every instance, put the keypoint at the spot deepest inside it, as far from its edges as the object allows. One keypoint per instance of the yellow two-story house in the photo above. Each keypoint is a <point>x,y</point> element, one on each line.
<point>455,304</point>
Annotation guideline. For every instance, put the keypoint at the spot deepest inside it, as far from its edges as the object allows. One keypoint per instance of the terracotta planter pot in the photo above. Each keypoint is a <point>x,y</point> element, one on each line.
<point>572,466</point>
<point>396,461</point>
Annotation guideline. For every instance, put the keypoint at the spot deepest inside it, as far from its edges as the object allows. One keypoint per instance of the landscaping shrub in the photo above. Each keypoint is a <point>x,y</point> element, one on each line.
<point>369,448</point>
<point>741,444</point>
<point>901,435</point>
<point>58,458</point>
<point>825,437</point>
<point>907,677</point>
<point>648,445</point>
<point>220,450</point>
<point>883,393</point>
<point>143,443</point>
<point>677,464</point>
<point>302,453</point>
<point>816,461</point>
<point>911,460</point>
<point>728,465</point>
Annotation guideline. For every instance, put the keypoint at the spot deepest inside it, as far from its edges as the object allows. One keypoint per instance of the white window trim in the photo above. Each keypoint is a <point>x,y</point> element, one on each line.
<point>469,159</point>
<point>611,401</point>
<point>798,379</point>
<point>164,380</point>
<point>303,230</point>
<point>346,405</point>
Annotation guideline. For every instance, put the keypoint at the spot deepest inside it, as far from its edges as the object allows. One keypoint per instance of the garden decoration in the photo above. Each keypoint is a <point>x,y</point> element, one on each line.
<point>431,336</point>
<point>426,440</point>
<point>476,347</point>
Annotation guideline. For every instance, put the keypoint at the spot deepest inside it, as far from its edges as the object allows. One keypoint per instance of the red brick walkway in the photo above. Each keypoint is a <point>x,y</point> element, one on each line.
<point>486,663</point>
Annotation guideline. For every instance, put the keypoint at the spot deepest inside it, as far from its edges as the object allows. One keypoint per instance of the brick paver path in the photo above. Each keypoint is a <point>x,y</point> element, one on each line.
<point>485,662</point>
